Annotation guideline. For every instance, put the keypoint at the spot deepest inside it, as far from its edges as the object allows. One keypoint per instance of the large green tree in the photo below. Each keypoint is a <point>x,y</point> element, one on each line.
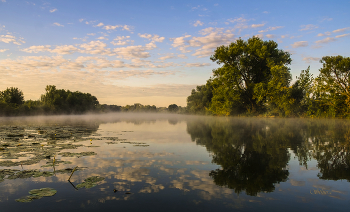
<point>331,92</point>
<point>244,65</point>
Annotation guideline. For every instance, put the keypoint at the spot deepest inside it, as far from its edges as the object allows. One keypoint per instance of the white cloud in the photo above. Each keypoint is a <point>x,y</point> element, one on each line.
<point>95,47</point>
<point>168,56</point>
<point>102,38</point>
<point>341,30</point>
<point>261,36</point>
<point>11,39</point>
<point>91,34</point>
<point>58,24</point>
<point>3,50</point>
<point>326,19</point>
<point>311,59</point>
<point>100,24</point>
<point>271,29</point>
<point>199,7</point>
<point>270,36</point>
<point>122,41</point>
<point>198,23</point>
<point>36,49</point>
<point>111,27</point>
<point>155,38</point>
<point>300,44</point>
<point>89,22</point>
<point>265,12</point>
<point>137,73</point>
<point>237,20</point>
<point>131,52</point>
<point>209,30</point>
<point>257,25</point>
<point>182,56</point>
<point>53,10</point>
<point>326,40</point>
<point>208,43</point>
<point>197,64</point>
<point>81,20</point>
<point>82,39</point>
<point>179,43</point>
<point>213,37</point>
<point>3,1</point>
<point>65,49</point>
<point>308,27</point>
<point>343,35</point>
<point>325,34</point>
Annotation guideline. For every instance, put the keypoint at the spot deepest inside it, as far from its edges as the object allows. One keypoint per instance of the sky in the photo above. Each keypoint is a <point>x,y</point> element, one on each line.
<point>153,52</point>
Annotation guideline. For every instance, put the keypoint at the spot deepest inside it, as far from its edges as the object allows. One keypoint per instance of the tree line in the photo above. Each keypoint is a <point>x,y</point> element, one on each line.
<point>60,101</point>
<point>254,79</point>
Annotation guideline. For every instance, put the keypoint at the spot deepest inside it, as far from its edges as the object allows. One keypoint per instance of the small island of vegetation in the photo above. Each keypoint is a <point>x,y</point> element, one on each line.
<point>254,80</point>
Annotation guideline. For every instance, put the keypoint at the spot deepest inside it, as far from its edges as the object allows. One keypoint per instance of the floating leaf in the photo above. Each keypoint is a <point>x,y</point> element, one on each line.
<point>38,194</point>
<point>90,182</point>
<point>43,192</point>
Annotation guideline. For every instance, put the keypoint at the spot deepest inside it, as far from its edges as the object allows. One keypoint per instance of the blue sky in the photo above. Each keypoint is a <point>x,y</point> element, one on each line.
<point>153,52</point>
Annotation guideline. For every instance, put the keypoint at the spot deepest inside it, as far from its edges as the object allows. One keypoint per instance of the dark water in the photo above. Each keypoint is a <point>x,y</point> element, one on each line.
<point>175,163</point>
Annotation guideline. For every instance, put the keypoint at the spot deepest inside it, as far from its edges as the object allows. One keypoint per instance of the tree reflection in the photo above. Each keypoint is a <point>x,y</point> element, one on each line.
<point>331,150</point>
<point>254,153</point>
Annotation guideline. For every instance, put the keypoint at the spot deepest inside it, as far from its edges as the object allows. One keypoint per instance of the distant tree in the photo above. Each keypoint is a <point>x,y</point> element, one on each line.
<point>12,96</point>
<point>62,101</point>
<point>173,108</point>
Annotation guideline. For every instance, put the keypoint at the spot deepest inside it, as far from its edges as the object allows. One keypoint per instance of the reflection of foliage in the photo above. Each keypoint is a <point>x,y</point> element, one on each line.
<point>251,171</point>
<point>331,150</point>
<point>253,153</point>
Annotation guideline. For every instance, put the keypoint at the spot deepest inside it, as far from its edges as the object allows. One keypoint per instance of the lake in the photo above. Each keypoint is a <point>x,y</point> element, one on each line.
<point>162,162</point>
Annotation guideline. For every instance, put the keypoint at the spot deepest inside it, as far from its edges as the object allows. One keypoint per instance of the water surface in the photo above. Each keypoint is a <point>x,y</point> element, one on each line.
<point>152,162</point>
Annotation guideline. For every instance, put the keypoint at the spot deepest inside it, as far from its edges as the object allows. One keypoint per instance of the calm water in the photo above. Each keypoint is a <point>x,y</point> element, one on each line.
<point>148,162</point>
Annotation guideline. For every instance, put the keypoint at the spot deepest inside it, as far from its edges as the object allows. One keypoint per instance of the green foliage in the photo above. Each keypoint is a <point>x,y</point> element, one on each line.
<point>245,64</point>
<point>275,95</point>
<point>12,96</point>
<point>199,100</point>
<point>137,107</point>
<point>173,108</point>
<point>254,80</point>
<point>331,91</point>
<point>62,101</point>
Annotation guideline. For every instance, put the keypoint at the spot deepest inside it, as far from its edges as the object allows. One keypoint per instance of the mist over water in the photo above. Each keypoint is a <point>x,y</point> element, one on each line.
<point>169,162</point>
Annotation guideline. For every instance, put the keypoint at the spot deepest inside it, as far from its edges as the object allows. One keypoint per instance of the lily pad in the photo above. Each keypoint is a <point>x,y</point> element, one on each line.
<point>28,198</point>
<point>90,182</point>
<point>43,192</point>
<point>38,194</point>
<point>70,154</point>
